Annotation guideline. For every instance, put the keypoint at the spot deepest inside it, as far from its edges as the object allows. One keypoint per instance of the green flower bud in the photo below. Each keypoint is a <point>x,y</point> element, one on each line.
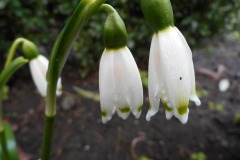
<point>115,33</point>
<point>158,13</point>
<point>30,49</point>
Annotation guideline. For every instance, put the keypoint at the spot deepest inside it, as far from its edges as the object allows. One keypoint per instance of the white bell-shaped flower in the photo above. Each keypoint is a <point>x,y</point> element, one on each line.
<point>38,68</point>
<point>171,75</point>
<point>120,84</point>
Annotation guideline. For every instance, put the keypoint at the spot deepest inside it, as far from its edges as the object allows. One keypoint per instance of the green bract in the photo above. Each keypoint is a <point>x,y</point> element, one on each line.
<point>115,33</point>
<point>158,13</point>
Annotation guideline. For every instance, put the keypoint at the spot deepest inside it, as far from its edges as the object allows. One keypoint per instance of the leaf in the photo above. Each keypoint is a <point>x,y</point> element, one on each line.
<point>87,94</point>
<point>11,143</point>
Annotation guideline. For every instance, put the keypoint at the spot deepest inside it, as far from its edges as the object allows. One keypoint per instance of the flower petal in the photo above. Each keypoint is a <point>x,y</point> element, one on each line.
<point>153,78</point>
<point>120,84</point>
<point>133,83</point>
<point>175,68</point>
<point>38,69</point>
<point>183,118</point>
<point>193,96</point>
<point>107,86</point>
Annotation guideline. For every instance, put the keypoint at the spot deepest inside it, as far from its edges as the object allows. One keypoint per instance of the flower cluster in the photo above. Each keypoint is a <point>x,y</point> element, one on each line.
<point>171,70</point>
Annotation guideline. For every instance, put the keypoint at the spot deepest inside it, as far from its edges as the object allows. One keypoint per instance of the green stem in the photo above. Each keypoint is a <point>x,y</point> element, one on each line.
<point>63,45</point>
<point>107,8</point>
<point>1,112</point>
<point>2,133</point>
<point>47,137</point>
<point>3,145</point>
<point>12,50</point>
<point>6,73</point>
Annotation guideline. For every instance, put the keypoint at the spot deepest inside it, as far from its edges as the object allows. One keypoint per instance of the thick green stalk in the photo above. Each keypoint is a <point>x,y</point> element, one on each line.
<point>59,54</point>
<point>63,45</point>
<point>47,137</point>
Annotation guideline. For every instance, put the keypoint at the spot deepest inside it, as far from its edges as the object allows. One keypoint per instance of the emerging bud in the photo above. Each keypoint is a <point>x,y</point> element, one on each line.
<point>120,84</point>
<point>38,68</point>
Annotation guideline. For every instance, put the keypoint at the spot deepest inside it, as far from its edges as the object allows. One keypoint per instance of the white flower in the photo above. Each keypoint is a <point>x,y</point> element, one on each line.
<point>38,68</point>
<point>120,84</point>
<point>171,75</point>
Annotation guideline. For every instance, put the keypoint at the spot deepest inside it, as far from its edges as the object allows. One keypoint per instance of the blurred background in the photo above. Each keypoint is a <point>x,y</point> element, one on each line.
<point>211,28</point>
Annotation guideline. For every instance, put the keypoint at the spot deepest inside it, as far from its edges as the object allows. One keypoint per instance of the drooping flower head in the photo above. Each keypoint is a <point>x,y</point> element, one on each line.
<point>119,79</point>
<point>38,66</point>
<point>171,70</point>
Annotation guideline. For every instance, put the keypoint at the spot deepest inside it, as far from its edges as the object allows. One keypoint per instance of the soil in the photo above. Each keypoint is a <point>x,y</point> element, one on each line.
<point>212,128</point>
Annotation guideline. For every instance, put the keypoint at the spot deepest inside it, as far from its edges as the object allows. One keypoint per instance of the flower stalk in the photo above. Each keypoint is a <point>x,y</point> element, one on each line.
<point>47,136</point>
<point>13,49</point>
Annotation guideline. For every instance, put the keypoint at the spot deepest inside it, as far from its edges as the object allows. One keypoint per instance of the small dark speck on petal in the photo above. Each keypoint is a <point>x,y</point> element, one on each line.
<point>180,78</point>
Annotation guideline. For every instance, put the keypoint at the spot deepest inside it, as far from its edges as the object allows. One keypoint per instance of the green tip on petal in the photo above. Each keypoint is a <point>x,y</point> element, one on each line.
<point>166,107</point>
<point>104,114</point>
<point>140,108</point>
<point>183,109</point>
<point>149,107</point>
<point>158,13</point>
<point>124,109</point>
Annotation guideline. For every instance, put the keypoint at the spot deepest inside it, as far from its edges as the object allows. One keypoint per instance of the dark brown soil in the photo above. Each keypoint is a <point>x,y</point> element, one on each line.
<point>79,133</point>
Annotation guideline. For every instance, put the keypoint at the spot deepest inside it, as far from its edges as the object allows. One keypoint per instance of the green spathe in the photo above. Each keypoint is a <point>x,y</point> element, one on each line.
<point>115,33</point>
<point>158,13</point>
<point>30,49</point>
